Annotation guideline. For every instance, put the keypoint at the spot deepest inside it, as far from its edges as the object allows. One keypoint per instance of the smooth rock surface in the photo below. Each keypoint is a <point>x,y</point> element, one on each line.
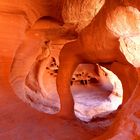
<point>18,120</point>
<point>35,82</point>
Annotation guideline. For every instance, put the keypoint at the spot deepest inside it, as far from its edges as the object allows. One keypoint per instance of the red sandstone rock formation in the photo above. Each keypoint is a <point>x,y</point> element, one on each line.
<point>105,34</point>
<point>98,45</point>
<point>80,12</point>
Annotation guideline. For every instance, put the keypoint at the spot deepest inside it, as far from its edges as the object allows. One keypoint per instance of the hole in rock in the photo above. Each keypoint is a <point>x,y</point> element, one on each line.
<point>96,93</point>
<point>96,90</point>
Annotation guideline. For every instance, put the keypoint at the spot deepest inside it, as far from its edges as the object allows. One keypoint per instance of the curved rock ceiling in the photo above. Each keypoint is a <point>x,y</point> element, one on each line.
<point>106,34</point>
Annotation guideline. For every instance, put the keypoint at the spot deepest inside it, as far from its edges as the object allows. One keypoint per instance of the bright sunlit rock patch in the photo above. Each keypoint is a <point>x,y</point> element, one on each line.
<point>99,98</point>
<point>130,47</point>
<point>124,22</point>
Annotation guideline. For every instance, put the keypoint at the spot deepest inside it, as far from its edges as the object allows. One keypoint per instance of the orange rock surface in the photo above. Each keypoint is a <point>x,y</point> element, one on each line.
<point>103,34</point>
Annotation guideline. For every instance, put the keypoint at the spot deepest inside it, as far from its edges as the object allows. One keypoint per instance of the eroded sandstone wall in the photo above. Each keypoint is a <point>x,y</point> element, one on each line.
<point>17,17</point>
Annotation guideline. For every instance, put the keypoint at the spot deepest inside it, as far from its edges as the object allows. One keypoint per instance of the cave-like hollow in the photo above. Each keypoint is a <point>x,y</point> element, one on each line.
<point>102,37</point>
<point>97,92</point>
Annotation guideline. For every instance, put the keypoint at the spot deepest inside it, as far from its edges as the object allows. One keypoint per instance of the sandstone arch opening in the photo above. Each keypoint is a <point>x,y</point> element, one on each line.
<point>35,83</point>
<point>96,95</point>
<point>26,75</point>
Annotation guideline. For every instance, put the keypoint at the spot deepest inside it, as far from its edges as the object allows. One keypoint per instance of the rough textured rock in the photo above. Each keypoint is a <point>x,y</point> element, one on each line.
<point>134,3</point>
<point>126,124</point>
<point>31,86</point>
<point>80,12</point>
<point>125,23</point>
<point>114,32</point>
<point>86,43</point>
<point>95,44</point>
<point>130,47</point>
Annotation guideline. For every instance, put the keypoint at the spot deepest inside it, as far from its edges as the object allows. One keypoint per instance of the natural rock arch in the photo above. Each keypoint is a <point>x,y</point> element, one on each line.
<point>122,70</point>
<point>31,86</point>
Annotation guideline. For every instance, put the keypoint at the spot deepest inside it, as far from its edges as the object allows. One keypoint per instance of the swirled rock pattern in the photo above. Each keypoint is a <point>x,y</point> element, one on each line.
<point>35,82</point>
<point>32,34</point>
